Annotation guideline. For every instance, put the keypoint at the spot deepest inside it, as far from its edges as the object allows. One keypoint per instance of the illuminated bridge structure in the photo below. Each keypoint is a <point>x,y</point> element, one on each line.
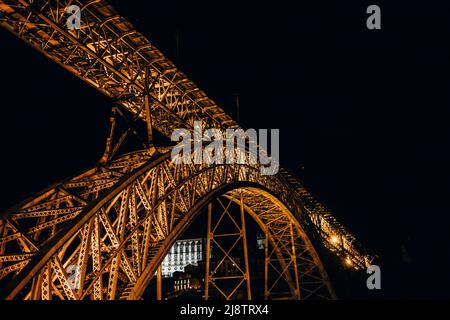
<point>116,221</point>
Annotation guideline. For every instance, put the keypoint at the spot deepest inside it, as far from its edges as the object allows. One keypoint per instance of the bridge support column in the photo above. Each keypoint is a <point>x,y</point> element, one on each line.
<point>294,262</point>
<point>244,240</point>
<point>208,251</point>
<point>148,118</point>
<point>229,271</point>
<point>109,139</point>
<point>159,284</point>
<point>266,264</point>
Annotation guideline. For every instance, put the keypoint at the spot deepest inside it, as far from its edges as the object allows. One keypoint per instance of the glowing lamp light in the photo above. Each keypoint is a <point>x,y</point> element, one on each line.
<point>334,239</point>
<point>348,261</point>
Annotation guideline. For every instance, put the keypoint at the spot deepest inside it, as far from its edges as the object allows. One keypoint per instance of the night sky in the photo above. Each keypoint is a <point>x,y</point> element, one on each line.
<point>363,115</point>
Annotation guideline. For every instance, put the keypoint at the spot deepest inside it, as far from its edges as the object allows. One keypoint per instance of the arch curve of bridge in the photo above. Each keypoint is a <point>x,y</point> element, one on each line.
<point>253,196</point>
<point>150,200</point>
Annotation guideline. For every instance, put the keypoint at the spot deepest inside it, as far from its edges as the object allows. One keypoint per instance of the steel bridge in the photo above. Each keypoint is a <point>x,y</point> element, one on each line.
<point>118,220</point>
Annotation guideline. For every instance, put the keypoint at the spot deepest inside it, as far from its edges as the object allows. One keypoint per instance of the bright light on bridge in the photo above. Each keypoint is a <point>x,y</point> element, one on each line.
<point>348,261</point>
<point>334,239</point>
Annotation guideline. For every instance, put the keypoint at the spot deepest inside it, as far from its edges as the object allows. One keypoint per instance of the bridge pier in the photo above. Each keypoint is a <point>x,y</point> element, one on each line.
<point>226,242</point>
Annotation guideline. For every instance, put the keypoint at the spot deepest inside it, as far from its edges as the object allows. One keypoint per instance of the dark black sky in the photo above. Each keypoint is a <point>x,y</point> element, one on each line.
<point>363,115</point>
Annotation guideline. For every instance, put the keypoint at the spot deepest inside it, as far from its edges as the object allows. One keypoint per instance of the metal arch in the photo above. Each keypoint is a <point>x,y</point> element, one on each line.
<point>144,280</point>
<point>233,191</point>
<point>253,197</point>
<point>131,215</point>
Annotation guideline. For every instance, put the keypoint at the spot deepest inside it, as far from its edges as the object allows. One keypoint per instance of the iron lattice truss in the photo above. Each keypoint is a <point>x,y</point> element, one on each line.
<point>117,220</point>
<point>109,54</point>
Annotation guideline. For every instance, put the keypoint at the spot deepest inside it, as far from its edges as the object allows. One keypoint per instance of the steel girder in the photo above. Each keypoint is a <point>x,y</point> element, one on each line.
<point>109,54</point>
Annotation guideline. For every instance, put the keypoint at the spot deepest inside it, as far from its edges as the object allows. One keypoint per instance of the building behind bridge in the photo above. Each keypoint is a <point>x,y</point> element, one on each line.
<point>184,252</point>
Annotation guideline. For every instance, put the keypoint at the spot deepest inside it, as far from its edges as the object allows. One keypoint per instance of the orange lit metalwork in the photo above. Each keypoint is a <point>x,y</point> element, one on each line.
<point>117,221</point>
